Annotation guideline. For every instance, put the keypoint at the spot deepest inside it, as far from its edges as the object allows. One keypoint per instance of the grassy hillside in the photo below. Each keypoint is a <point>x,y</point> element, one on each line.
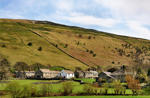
<point>69,47</point>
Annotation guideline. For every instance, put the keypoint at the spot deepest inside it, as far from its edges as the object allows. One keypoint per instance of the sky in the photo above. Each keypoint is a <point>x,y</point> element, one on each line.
<point>122,17</point>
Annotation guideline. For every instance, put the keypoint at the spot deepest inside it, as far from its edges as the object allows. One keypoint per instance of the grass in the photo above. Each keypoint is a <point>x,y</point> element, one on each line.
<point>15,35</point>
<point>86,80</point>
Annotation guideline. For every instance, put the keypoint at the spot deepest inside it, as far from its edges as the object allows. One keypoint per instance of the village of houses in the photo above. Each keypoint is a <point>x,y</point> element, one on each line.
<point>46,74</point>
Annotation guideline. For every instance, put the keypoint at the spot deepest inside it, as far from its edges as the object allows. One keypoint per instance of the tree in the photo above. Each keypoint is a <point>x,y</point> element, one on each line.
<point>106,88</point>
<point>133,84</point>
<point>118,88</point>
<point>148,72</point>
<point>21,66</point>
<point>37,66</point>
<point>88,89</point>
<point>4,69</point>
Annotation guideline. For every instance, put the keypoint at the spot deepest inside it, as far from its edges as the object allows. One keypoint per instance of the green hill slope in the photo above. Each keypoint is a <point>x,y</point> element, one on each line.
<point>70,47</point>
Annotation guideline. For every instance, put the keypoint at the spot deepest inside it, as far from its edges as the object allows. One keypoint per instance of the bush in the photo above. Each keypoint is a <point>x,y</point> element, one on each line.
<point>40,49</point>
<point>89,37</point>
<point>80,35</point>
<point>56,45</point>
<point>118,88</point>
<point>67,88</point>
<point>89,90</point>
<point>18,91</point>
<point>87,50</point>
<point>3,46</point>
<point>147,90</point>
<point>91,52</point>
<point>29,44</point>
<point>94,55</point>
<point>66,45</point>
<point>45,89</point>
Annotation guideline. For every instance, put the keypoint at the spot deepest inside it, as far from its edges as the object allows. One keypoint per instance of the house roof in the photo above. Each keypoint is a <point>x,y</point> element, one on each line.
<point>44,70</point>
<point>91,72</point>
<point>109,74</point>
<point>68,71</point>
<point>48,71</point>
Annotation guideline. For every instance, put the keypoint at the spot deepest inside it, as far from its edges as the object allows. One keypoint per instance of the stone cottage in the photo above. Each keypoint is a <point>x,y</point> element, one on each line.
<point>79,74</point>
<point>46,74</point>
<point>105,77</point>
<point>25,74</point>
<point>90,74</point>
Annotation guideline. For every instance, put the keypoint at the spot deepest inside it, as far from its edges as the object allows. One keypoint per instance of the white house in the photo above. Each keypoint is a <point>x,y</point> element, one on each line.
<point>66,74</point>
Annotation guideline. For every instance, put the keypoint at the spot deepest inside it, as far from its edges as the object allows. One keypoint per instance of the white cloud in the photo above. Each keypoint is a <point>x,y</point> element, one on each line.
<point>134,13</point>
<point>90,20</point>
<point>137,27</point>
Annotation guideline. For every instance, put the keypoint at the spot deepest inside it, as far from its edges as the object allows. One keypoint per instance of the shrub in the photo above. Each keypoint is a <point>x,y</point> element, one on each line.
<point>40,49</point>
<point>29,44</point>
<point>89,37</point>
<point>45,89</point>
<point>66,45</point>
<point>67,88</point>
<point>118,88</point>
<point>3,46</point>
<point>88,89</point>
<point>80,35</point>
<point>56,45</point>
<point>113,62</point>
<point>91,52</point>
<point>22,91</point>
<point>94,55</point>
<point>4,69</point>
<point>106,88</point>
<point>147,90</point>
<point>87,50</point>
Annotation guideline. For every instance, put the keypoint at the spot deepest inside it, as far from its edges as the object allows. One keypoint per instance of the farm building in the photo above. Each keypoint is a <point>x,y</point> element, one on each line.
<point>79,74</point>
<point>25,74</point>
<point>90,74</point>
<point>119,74</point>
<point>46,74</point>
<point>66,74</point>
<point>105,76</point>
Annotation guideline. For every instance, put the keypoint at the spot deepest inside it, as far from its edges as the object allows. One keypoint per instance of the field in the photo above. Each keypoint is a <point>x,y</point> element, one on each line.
<point>55,87</point>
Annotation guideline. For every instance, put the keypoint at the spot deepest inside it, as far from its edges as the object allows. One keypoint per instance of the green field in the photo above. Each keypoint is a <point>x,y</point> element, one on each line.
<point>56,87</point>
